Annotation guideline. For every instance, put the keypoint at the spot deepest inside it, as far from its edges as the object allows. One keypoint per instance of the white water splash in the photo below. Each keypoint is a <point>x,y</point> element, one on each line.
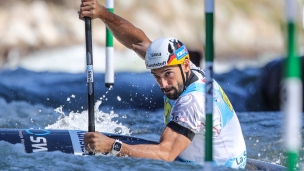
<point>79,121</point>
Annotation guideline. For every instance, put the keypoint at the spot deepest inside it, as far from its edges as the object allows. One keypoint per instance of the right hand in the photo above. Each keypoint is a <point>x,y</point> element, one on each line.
<point>97,142</point>
<point>90,8</point>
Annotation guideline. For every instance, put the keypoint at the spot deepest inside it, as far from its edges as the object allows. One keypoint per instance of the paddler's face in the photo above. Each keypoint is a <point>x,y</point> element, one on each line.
<point>170,80</point>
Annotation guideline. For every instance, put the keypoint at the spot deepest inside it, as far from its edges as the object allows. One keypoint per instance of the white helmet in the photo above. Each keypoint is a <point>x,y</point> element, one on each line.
<point>165,52</point>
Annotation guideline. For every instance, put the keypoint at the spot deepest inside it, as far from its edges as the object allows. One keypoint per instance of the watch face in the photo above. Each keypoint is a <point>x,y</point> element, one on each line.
<point>117,146</point>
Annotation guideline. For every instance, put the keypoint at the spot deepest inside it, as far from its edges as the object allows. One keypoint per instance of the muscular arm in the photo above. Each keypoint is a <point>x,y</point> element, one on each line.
<point>125,32</point>
<point>170,146</point>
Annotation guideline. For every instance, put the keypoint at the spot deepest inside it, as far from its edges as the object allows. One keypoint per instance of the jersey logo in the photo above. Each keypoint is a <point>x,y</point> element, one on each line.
<point>225,98</point>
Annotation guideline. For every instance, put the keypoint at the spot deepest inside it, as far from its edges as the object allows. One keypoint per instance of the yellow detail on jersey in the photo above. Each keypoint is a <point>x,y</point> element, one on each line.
<point>225,98</point>
<point>167,111</point>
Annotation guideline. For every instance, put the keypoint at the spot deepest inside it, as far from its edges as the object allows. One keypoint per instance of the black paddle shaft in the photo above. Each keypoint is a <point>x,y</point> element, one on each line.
<point>90,74</point>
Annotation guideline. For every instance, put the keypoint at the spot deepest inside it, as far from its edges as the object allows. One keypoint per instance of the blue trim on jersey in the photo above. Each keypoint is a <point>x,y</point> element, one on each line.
<point>240,160</point>
<point>195,87</point>
<point>218,100</point>
<point>192,87</point>
<point>226,112</point>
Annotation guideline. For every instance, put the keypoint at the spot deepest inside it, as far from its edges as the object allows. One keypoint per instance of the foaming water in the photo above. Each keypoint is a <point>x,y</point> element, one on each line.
<point>104,122</point>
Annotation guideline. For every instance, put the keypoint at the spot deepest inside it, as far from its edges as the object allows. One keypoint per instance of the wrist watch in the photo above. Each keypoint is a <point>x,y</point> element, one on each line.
<point>116,147</point>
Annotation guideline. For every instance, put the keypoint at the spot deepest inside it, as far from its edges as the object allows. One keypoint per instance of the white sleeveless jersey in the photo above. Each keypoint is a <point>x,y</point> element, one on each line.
<point>189,111</point>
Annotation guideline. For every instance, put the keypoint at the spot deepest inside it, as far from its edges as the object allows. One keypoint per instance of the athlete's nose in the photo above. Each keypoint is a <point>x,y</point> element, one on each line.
<point>163,83</point>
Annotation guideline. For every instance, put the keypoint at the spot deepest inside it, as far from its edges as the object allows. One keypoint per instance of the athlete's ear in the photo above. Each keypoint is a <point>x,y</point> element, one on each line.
<point>186,65</point>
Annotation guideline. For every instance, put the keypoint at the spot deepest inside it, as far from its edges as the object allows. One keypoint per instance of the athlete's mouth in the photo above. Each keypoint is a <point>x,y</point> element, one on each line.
<point>167,90</point>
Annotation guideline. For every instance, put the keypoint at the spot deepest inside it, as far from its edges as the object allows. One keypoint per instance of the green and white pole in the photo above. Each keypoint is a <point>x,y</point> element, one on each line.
<point>109,72</point>
<point>209,51</point>
<point>292,91</point>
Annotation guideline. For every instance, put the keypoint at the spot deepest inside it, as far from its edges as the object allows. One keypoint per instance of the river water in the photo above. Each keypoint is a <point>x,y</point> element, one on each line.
<point>58,100</point>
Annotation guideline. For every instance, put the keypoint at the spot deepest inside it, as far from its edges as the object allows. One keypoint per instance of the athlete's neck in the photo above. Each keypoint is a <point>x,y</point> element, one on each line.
<point>192,78</point>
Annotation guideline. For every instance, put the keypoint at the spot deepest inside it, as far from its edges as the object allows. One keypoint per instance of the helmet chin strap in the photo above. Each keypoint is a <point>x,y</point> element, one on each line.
<point>184,79</point>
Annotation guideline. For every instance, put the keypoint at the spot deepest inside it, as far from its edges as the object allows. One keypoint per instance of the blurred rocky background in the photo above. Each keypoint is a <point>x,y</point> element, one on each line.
<point>243,29</point>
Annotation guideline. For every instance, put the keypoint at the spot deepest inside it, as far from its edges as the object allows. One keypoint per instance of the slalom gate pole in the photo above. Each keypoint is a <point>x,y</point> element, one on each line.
<point>209,9</point>
<point>292,91</point>
<point>109,72</point>
<point>90,74</point>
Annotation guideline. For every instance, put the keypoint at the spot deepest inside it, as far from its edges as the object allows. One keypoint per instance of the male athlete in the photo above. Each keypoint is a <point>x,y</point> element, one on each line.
<point>184,87</point>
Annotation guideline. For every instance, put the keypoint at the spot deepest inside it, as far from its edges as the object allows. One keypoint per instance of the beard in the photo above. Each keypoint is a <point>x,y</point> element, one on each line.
<point>177,91</point>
